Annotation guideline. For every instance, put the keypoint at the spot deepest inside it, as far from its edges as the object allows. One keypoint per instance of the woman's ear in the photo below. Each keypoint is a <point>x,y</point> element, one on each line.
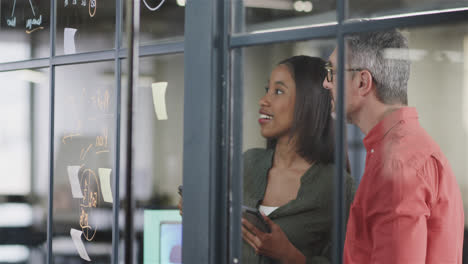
<point>365,85</point>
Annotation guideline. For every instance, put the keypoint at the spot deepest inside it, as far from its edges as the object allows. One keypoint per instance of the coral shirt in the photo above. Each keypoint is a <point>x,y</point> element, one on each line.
<point>408,207</point>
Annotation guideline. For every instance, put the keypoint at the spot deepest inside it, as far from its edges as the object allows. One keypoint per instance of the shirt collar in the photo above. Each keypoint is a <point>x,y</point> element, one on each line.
<point>378,132</point>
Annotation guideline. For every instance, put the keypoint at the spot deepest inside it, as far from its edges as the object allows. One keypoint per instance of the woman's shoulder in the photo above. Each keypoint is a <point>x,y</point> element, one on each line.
<point>257,154</point>
<point>328,172</point>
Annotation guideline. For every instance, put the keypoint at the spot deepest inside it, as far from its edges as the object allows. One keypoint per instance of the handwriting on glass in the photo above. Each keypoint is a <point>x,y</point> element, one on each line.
<point>92,7</point>
<point>11,22</point>
<point>32,21</point>
<point>99,101</point>
<point>156,7</point>
<point>31,24</point>
<point>91,197</point>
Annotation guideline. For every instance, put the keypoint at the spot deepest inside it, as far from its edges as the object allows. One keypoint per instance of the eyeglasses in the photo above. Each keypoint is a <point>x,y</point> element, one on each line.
<point>330,71</point>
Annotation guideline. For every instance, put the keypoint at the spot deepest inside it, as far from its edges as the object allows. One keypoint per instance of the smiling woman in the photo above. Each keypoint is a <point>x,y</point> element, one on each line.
<point>277,106</point>
<point>291,180</point>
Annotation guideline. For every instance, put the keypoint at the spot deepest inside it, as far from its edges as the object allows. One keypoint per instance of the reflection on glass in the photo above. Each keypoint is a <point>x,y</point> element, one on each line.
<point>84,26</point>
<point>24,106</point>
<point>84,165</point>
<point>259,15</point>
<point>161,21</point>
<point>24,30</point>
<point>157,156</point>
<point>362,8</point>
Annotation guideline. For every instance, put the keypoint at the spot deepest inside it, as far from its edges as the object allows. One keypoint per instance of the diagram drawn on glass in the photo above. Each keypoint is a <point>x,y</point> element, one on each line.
<point>155,7</point>
<point>92,7</point>
<point>32,24</point>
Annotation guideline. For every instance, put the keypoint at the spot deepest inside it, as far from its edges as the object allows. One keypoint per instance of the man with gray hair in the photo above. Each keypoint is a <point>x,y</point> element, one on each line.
<point>408,207</point>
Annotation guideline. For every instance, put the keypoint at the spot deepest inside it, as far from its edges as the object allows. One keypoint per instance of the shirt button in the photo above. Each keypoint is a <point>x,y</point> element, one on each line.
<point>372,150</point>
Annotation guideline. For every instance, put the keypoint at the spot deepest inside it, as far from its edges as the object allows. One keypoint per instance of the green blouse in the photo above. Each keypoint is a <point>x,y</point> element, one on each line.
<point>307,221</point>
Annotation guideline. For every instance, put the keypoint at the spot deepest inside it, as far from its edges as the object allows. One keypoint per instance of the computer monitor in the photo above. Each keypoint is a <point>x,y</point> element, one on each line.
<point>162,237</point>
<point>170,242</point>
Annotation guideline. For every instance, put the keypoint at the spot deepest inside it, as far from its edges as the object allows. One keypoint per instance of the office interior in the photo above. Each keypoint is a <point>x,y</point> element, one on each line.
<point>63,138</point>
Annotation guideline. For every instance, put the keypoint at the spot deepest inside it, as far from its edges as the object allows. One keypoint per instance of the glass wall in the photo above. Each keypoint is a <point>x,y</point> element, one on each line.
<point>84,168</point>
<point>436,96</point>
<point>24,30</point>
<point>87,110</point>
<point>157,158</point>
<point>84,26</point>
<point>161,21</point>
<point>359,8</point>
<point>258,61</point>
<point>438,88</point>
<point>297,186</point>
<point>23,161</point>
<point>261,15</point>
<point>64,117</point>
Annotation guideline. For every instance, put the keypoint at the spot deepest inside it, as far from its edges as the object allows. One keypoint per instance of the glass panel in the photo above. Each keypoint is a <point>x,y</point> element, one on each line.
<point>84,166</point>
<point>258,62</point>
<point>417,153</point>
<point>288,135</point>
<point>24,148</point>
<point>160,21</point>
<point>157,156</point>
<point>362,8</point>
<point>24,30</point>
<point>260,15</point>
<point>84,26</point>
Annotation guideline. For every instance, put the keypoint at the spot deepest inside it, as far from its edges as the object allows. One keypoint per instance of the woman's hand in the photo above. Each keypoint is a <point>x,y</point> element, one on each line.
<point>275,245</point>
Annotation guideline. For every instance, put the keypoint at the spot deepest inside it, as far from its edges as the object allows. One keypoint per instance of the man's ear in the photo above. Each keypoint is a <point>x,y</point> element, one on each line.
<point>365,84</point>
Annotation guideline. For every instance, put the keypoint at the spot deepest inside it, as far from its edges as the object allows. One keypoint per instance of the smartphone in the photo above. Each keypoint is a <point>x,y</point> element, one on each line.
<point>255,218</point>
<point>179,190</point>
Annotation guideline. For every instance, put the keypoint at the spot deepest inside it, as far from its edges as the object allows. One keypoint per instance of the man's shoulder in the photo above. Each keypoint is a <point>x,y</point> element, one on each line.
<point>409,147</point>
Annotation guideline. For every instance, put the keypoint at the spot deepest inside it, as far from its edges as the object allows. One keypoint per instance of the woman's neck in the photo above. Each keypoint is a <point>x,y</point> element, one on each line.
<point>286,155</point>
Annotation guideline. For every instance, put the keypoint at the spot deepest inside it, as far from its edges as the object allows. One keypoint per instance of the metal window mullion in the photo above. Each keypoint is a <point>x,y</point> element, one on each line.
<point>284,35</point>
<point>235,144</point>
<point>116,184</point>
<point>422,19</point>
<point>51,164</point>
<point>339,181</point>
<point>118,108</point>
<point>163,48</point>
<point>53,23</point>
<point>205,212</point>
<point>132,30</point>
<point>348,26</point>
<point>224,184</point>
<point>27,64</point>
<point>121,53</point>
<point>88,57</point>
<point>235,173</point>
